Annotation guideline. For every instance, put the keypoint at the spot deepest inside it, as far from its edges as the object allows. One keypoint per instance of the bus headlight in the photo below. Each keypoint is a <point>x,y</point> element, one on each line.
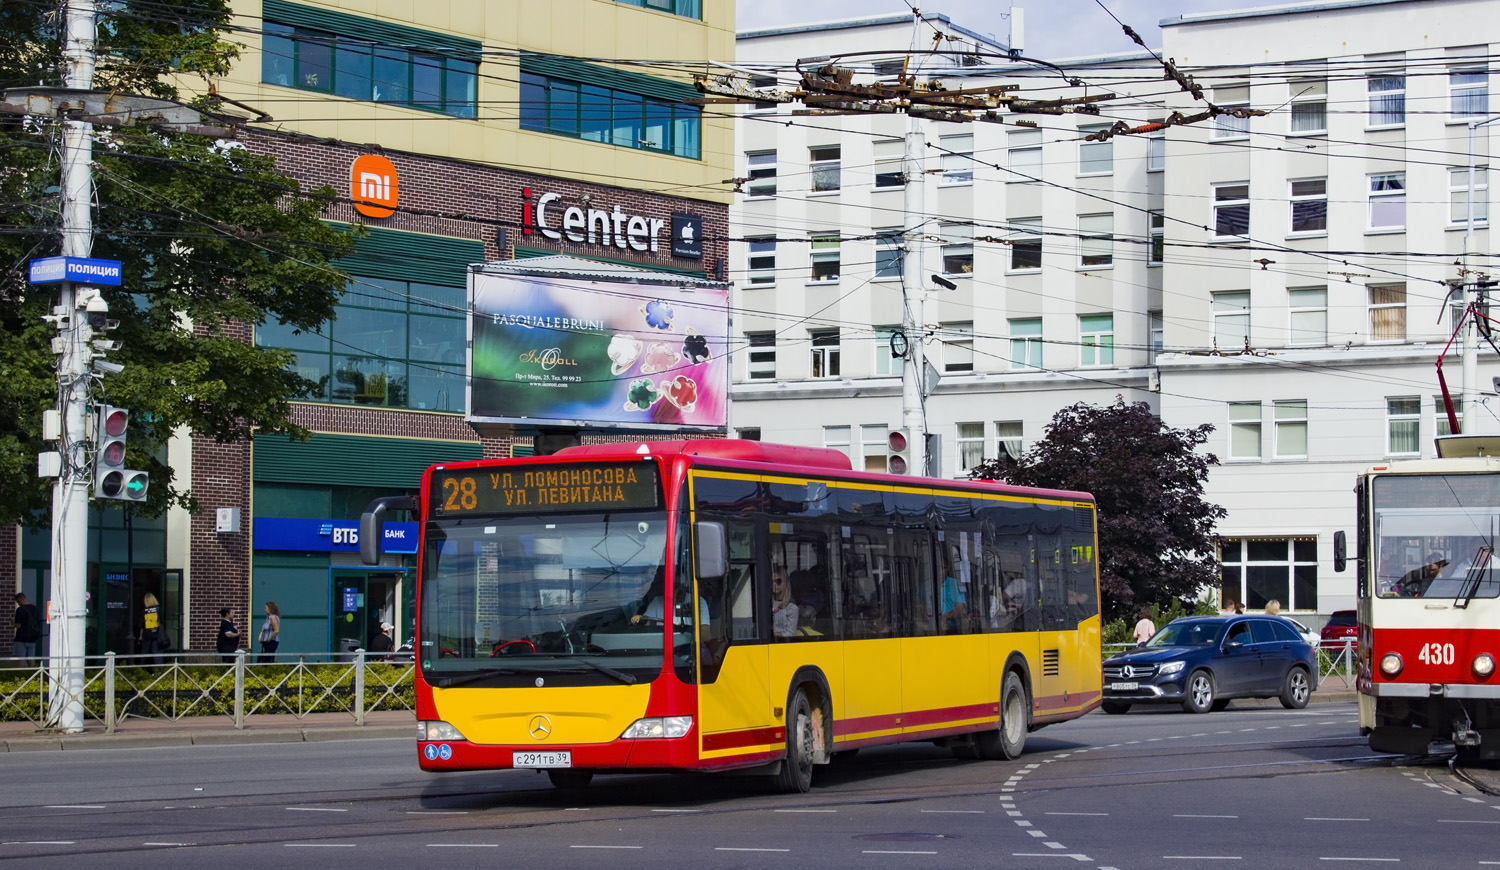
<point>1484,665</point>
<point>437,730</point>
<point>1171,667</point>
<point>666,726</point>
<point>1391,664</point>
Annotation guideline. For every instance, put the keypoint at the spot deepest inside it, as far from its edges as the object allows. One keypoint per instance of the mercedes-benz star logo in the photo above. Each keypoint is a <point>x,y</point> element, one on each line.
<point>1129,671</point>
<point>541,727</point>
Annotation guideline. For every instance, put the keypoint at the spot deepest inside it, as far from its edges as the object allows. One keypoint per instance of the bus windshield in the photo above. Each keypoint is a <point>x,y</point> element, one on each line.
<point>1435,536</point>
<point>528,596</point>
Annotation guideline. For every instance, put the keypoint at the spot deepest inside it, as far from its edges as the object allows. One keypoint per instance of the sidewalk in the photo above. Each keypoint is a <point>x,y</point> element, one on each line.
<point>211,730</point>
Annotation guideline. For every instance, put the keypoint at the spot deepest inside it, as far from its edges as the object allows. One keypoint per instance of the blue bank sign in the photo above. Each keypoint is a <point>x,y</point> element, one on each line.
<point>80,270</point>
<point>328,536</point>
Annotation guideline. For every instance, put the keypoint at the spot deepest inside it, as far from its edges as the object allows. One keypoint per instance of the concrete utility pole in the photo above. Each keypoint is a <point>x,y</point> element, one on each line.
<point>1469,285</point>
<point>914,296</point>
<point>70,496</point>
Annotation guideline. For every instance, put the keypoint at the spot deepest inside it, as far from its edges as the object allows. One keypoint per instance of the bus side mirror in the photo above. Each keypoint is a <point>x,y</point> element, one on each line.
<point>372,524</point>
<point>708,546</point>
<point>1340,551</point>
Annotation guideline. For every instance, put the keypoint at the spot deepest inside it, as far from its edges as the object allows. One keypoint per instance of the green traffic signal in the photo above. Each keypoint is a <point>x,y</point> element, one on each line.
<point>135,485</point>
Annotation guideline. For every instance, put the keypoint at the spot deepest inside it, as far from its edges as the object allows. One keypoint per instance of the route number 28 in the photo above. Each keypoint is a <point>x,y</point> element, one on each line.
<point>1436,654</point>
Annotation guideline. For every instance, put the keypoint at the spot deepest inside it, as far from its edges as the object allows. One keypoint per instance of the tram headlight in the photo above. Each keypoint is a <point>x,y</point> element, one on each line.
<point>665,726</point>
<point>1391,664</point>
<point>1484,665</point>
<point>437,729</point>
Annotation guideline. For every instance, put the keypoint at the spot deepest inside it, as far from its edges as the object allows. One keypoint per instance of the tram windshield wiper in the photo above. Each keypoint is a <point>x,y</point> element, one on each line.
<point>1477,568</point>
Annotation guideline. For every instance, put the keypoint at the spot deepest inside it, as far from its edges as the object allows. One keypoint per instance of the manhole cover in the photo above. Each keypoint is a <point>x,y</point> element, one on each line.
<point>905,837</point>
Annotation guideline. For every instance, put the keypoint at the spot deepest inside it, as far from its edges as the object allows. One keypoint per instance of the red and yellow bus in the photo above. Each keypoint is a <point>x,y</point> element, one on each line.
<point>723,605</point>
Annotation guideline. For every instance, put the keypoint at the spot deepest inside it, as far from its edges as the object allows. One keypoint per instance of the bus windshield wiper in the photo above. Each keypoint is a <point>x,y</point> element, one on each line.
<point>627,679</point>
<point>451,682</point>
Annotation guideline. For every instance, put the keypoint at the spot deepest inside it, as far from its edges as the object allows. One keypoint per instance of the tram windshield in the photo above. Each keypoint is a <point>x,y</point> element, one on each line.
<point>1435,536</point>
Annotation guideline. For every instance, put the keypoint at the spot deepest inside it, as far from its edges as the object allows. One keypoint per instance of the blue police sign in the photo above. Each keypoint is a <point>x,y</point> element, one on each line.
<point>80,270</point>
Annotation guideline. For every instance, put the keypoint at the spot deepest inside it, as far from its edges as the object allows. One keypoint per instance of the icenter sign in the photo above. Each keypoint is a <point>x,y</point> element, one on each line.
<point>609,228</point>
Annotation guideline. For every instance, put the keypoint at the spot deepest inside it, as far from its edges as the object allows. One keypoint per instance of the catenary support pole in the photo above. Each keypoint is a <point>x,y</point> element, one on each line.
<point>1471,324</point>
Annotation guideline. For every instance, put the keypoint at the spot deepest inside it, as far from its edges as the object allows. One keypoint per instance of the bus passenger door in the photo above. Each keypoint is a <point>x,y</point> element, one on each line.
<point>734,697</point>
<point>1049,684</point>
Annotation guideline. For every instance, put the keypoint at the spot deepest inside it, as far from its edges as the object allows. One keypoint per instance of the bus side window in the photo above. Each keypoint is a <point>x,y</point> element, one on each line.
<point>730,600</point>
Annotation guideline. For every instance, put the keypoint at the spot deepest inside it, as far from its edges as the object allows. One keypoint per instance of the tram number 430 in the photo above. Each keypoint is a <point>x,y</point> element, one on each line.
<point>1436,654</point>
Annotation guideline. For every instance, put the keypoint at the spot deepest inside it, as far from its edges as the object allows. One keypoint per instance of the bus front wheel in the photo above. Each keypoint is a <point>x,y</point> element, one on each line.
<point>1008,740</point>
<point>796,770</point>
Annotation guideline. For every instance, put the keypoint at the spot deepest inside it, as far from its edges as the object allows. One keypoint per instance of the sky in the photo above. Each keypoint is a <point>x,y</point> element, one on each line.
<point>1054,28</point>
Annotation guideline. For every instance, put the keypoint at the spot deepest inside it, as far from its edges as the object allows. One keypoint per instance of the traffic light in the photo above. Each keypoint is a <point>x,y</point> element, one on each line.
<point>111,478</point>
<point>898,452</point>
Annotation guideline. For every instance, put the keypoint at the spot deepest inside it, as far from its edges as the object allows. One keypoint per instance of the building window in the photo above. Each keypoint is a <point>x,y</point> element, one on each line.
<point>1310,205</point>
<point>1244,430</point>
<point>890,163</point>
<point>1291,429</point>
<point>610,116</point>
<point>888,253</point>
<point>396,344</point>
<point>314,60</point>
<point>1096,244</point>
<point>1095,158</point>
<point>1227,126</point>
<point>1257,571</point>
<point>837,438</point>
<point>1458,196</point>
<point>873,447</point>
<point>1156,250</point>
<point>1387,100</point>
<point>825,257</point>
<point>761,83</point>
<point>1388,201</point>
<point>761,261</point>
<point>1388,312</point>
<point>958,159</point>
<point>748,433</point>
<point>1308,315</point>
<point>824,164</point>
<point>958,249</point>
<point>1231,320</point>
<point>1156,149</point>
<point>1403,426</point>
<point>1024,156</point>
<point>1231,210</point>
<point>762,166</point>
<point>1309,107</point>
<point>684,8</point>
<point>1443,427</point>
<point>1154,324</point>
<point>958,347</point>
<point>970,445</point>
<point>886,364</point>
<point>1008,438</point>
<point>1026,343</point>
<point>1096,340</point>
<point>762,355</point>
<point>825,353</point>
<point>1469,93</point>
<point>1025,244</point>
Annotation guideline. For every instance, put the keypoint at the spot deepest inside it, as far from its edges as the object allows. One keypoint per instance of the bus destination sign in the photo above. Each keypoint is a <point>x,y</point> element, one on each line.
<point>538,489</point>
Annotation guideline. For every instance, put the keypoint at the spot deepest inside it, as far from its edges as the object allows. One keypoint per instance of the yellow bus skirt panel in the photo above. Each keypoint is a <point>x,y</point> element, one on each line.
<point>946,683</point>
<point>871,689</point>
<point>735,710</point>
<point>577,715</point>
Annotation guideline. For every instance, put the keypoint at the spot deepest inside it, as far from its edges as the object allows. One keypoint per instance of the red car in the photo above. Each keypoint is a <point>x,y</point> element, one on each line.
<point>1342,628</point>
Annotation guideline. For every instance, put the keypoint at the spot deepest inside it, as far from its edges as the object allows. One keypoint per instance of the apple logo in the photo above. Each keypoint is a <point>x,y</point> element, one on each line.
<point>687,233</point>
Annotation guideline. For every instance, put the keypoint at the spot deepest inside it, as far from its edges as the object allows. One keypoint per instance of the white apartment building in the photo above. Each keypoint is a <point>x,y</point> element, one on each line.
<point>1321,237</point>
<point>1039,318</point>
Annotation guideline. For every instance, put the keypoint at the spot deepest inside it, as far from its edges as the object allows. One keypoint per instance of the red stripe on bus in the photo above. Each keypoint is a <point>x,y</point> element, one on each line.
<point>747,737</point>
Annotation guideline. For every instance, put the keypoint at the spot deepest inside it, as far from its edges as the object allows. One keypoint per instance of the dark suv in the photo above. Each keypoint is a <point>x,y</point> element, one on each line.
<point>1201,662</point>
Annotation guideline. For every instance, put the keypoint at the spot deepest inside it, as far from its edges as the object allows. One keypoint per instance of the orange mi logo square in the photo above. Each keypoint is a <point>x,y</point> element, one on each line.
<point>373,186</point>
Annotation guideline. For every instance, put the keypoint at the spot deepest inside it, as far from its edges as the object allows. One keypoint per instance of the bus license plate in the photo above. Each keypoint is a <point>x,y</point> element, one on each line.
<point>1119,687</point>
<point>542,759</point>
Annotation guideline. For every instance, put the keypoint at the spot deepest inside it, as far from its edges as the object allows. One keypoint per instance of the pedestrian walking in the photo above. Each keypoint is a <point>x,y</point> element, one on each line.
<point>1145,627</point>
<point>28,630</point>
<point>148,630</point>
<point>229,636</point>
<point>270,633</point>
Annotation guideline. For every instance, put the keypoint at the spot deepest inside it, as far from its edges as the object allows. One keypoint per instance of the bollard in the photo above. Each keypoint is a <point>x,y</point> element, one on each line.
<point>239,690</point>
<point>109,693</point>
<point>359,688</point>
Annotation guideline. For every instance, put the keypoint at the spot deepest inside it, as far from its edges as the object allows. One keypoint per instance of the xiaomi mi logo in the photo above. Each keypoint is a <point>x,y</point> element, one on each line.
<point>373,186</point>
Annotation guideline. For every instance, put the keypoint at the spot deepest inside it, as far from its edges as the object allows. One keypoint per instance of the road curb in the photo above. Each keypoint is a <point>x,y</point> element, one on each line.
<point>100,741</point>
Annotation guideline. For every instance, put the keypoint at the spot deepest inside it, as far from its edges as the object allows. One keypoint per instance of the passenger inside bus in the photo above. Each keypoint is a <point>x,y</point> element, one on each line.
<point>784,611</point>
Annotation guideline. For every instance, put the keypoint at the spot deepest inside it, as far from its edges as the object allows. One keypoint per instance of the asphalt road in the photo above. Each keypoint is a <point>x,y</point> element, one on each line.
<point>1247,787</point>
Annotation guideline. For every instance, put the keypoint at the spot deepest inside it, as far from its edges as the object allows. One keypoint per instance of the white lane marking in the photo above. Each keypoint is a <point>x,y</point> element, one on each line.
<point>804,811</point>
<point>1474,800</point>
<point>1324,819</point>
<point>1022,823</point>
<point>169,844</point>
<point>895,852</point>
<point>319,845</point>
<point>1386,860</point>
<point>577,809</point>
<point>1202,858</point>
<point>463,845</point>
<point>1051,845</point>
<point>964,812</point>
<point>1012,812</point>
<point>1468,822</point>
<point>1200,816</point>
<point>746,849</point>
<point>37,843</point>
<point>437,812</point>
<point>75,807</point>
<point>606,847</point>
<point>315,810</point>
<point>1076,856</point>
<point>676,811</point>
<point>1075,814</point>
<point>1039,834</point>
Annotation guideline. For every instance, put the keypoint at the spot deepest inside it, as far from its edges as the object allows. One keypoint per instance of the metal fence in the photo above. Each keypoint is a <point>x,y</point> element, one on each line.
<point>188,685</point>
<point>1336,664</point>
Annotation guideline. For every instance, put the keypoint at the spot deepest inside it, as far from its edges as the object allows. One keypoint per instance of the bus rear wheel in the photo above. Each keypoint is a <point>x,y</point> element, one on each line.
<point>795,775</point>
<point>1008,740</point>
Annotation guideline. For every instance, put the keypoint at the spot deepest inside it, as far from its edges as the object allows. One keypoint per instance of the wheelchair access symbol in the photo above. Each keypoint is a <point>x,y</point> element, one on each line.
<point>445,752</point>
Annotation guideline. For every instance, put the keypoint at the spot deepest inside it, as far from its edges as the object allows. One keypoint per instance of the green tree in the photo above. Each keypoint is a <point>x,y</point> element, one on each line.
<point>1155,528</point>
<point>212,239</point>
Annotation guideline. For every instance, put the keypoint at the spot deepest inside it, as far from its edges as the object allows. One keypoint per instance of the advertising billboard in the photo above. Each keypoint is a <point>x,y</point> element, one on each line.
<point>647,354</point>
